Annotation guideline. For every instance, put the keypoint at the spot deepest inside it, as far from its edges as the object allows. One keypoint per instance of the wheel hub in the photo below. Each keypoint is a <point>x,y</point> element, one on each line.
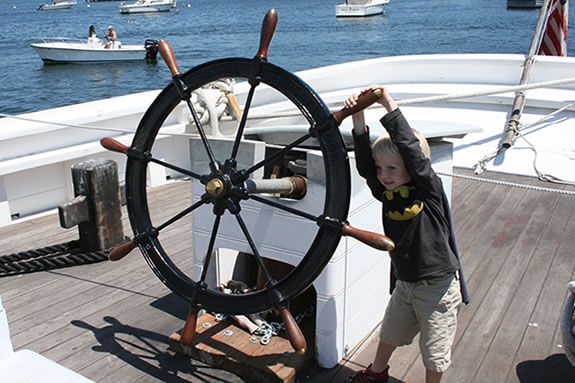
<point>215,188</point>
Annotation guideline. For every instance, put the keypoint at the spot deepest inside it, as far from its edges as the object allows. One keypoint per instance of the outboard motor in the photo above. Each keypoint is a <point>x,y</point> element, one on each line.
<point>151,50</point>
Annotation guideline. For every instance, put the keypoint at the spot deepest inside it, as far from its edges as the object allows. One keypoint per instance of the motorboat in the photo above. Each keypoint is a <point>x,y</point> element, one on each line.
<point>524,3</point>
<point>147,6</point>
<point>360,8</point>
<point>92,50</point>
<point>57,4</point>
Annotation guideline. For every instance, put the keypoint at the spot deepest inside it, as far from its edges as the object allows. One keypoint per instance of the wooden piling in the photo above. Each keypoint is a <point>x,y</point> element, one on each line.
<point>98,180</point>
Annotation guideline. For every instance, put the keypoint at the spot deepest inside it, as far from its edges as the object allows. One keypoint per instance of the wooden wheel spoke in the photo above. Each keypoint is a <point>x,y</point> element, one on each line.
<point>183,213</point>
<point>175,168</point>
<point>213,163</point>
<point>276,155</point>
<point>288,209</point>
<point>116,146</point>
<point>210,247</point>
<point>255,250</point>
<point>243,120</point>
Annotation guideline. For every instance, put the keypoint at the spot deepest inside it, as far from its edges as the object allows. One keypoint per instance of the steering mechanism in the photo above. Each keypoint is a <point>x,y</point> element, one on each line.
<point>226,189</point>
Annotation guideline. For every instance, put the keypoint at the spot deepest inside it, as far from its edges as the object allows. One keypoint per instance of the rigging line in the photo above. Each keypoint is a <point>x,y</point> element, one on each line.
<point>487,92</point>
<point>89,127</point>
<point>548,116</point>
<point>540,175</point>
<point>480,166</point>
<point>336,105</point>
<point>506,183</point>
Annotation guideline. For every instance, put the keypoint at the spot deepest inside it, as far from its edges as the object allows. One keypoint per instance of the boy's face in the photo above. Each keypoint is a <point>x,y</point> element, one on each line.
<point>391,170</point>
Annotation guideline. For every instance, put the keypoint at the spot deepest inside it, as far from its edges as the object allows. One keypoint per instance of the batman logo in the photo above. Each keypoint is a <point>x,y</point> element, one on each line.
<point>401,204</point>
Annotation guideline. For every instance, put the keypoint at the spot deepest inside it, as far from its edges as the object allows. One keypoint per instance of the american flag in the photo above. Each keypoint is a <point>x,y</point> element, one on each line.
<point>554,42</point>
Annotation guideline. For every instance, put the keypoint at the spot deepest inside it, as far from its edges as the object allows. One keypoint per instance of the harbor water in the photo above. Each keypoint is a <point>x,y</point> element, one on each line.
<point>308,35</point>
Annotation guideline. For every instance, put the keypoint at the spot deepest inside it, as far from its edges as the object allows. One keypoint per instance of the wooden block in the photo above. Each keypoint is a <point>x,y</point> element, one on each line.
<point>227,346</point>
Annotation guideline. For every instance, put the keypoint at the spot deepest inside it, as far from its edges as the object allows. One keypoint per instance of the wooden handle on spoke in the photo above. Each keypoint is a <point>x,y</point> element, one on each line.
<point>169,57</point>
<point>268,29</point>
<point>189,331</point>
<point>121,250</point>
<point>363,102</point>
<point>113,145</point>
<point>296,338</point>
<point>375,240</point>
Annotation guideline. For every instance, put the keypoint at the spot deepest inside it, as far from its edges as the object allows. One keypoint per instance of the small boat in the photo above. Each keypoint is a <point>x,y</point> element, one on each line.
<point>146,6</point>
<point>360,8</point>
<point>57,4</point>
<point>92,50</point>
<point>524,3</point>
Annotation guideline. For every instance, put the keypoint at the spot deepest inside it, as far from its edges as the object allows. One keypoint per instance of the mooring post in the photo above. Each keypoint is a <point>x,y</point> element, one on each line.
<point>96,208</point>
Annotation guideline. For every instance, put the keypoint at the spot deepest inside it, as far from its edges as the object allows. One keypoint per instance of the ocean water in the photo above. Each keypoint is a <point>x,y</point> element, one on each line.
<point>308,35</point>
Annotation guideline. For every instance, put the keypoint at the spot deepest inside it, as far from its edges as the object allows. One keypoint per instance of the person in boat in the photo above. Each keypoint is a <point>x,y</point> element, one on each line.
<point>92,31</point>
<point>426,281</point>
<point>110,37</point>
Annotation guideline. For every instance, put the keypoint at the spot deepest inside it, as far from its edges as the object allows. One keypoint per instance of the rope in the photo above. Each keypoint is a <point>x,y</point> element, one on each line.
<point>47,258</point>
<point>506,183</point>
<point>201,107</point>
<point>480,166</point>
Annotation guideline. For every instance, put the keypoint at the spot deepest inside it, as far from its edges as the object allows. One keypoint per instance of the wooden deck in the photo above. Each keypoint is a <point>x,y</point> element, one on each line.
<point>111,321</point>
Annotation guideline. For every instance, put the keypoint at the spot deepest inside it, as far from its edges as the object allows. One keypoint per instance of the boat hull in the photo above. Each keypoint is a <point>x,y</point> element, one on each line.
<point>524,3</point>
<point>352,10</point>
<point>78,55</point>
<point>147,7</point>
<point>54,7</point>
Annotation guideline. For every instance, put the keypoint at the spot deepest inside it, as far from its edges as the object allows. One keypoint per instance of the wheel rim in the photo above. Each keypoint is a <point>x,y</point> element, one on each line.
<point>336,200</point>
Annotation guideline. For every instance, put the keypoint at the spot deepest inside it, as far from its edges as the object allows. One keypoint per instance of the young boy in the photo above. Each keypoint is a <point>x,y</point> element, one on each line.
<point>425,289</point>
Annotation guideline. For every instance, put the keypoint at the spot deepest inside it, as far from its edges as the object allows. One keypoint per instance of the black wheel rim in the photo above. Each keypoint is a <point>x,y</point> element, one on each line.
<point>336,177</point>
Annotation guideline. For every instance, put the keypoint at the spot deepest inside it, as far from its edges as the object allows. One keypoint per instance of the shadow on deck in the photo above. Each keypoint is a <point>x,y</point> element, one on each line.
<point>111,321</point>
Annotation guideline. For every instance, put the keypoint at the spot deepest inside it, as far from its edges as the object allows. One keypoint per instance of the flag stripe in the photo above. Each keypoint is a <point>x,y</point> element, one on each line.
<point>554,41</point>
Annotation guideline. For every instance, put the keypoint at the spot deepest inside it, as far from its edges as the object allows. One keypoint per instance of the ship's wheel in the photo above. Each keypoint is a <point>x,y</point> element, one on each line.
<point>226,191</point>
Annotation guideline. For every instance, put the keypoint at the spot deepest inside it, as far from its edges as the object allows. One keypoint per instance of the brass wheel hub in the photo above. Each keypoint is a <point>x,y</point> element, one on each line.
<point>215,187</point>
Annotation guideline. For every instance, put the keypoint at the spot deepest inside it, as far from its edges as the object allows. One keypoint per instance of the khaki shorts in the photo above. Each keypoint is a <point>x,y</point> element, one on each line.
<point>429,307</point>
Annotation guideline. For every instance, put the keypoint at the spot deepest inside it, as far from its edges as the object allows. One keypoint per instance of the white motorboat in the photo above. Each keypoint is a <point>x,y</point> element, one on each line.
<point>57,4</point>
<point>91,50</point>
<point>360,8</point>
<point>147,6</point>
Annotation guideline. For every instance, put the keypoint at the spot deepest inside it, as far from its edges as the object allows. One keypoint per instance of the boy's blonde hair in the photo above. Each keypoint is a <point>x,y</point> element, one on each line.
<point>384,145</point>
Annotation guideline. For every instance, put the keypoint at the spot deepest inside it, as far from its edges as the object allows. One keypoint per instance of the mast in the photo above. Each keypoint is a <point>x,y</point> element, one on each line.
<point>512,125</point>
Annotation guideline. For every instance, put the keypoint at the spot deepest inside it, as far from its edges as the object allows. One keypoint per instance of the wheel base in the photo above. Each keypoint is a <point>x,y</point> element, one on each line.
<point>227,346</point>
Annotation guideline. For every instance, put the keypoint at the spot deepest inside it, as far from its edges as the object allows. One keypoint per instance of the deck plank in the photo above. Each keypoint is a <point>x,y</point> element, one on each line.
<point>538,341</point>
<point>111,321</point>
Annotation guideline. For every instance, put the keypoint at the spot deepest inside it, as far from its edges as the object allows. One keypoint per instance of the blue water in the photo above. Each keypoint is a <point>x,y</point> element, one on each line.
<point>308,35</point>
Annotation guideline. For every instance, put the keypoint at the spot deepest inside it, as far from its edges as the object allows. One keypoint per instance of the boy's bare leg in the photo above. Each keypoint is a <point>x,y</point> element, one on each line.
<point>432,376</point>
<point>382,356</point>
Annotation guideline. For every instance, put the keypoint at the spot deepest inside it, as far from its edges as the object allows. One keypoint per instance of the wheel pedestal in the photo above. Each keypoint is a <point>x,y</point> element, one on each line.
<point>225,345</point>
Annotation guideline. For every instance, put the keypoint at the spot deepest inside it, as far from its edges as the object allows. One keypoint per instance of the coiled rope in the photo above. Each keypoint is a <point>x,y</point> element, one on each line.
<point>47,258</point>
